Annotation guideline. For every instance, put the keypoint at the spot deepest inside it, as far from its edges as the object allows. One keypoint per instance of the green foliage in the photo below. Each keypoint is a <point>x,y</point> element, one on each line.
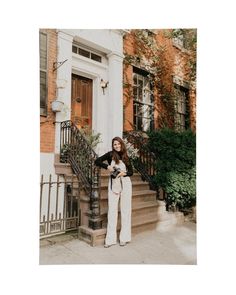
<point>92,137</point>
<point>176,165</point>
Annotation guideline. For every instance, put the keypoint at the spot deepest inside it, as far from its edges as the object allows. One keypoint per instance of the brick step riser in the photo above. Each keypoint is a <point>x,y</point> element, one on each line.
<point>135,221</point>
<point>143,215</point>
<point>135,201</point>
<point>135,187</point>
<point>136,229</point>
<point>104,193</point>
<point>133,178</point>
<point>135,198</point>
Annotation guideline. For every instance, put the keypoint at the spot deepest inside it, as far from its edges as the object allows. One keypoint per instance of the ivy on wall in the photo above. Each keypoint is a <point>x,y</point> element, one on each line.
<point>155,59</point>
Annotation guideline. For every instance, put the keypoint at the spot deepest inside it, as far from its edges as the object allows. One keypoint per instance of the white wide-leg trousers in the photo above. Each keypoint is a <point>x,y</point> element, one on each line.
<point>125,197</point>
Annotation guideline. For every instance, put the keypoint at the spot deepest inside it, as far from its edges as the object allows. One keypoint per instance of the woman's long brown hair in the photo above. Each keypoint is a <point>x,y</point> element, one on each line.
<point>123,150</point>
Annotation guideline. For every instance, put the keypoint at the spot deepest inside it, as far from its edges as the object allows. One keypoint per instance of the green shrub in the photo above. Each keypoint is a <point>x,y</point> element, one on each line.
<point>176,165</point>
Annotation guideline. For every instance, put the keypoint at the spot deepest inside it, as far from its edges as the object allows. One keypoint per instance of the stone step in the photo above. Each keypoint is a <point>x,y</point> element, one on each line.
<point>143,194</point>
<point>137,199</point>
<point>97,237</point>
<point>62,168</point>
<point>135,177</point>
<point>136,185</point>
<point>137,207</point>
<point>140,211</point>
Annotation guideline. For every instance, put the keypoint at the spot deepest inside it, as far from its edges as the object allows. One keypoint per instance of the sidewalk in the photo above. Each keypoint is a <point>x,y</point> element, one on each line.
<point>176,246</point>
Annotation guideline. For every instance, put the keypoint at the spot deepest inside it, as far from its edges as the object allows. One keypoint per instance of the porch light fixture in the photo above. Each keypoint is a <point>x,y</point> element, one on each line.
<point>57,106</point>
<point>103,84</point>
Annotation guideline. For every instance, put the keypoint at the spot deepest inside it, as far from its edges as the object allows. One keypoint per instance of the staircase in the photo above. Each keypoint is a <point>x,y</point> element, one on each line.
<point>144,206</point>
<point>148,213</point>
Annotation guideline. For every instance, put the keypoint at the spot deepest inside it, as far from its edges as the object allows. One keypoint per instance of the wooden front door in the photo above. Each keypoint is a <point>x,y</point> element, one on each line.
<point>81,102</point>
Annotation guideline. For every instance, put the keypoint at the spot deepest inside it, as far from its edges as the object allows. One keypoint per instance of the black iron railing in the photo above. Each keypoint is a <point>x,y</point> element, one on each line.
<point>76,150</point>
<point>59,205</point>
<point>145,164</point>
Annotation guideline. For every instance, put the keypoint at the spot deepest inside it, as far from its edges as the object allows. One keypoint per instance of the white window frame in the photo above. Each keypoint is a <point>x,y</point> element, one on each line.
<point>180,108</point>
<point>43,111</point>
<point>91,51</point>
<point>146,103</point>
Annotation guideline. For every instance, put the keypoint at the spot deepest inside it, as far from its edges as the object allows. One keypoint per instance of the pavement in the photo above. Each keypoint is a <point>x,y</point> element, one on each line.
<point>174,246</point>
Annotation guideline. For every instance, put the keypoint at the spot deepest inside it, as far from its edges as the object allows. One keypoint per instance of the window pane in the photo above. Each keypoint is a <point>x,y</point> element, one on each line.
<point>135,93</point>
<point>43,51</point>
<point>43,93</point>
<point>182,122</point>
<point>96,57</point>
<point>140,82</point>
<point>74,49</point>
<point>139,110</point>
<point>143,112</point>
<point>140,94</point>
<point>140,124</point>
<point>135,79</point>
<point>84,52</point>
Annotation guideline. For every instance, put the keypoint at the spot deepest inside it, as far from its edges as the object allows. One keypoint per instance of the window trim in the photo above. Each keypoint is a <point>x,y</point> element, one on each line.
<point>150,118</point>
<point>44,111</point>
<point>91,51</point>
<point>177,118</point>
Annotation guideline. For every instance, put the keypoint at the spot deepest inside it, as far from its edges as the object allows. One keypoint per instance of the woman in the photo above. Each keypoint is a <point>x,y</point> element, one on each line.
<point>119,187</point>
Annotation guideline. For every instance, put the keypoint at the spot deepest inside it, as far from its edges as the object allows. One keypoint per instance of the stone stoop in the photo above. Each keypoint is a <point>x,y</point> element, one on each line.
<point>144,211</point>
<point>147,212</point>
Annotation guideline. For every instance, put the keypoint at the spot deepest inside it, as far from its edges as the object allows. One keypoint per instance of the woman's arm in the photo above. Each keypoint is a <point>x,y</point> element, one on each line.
<point>129,170</point>
<point>99,161</point>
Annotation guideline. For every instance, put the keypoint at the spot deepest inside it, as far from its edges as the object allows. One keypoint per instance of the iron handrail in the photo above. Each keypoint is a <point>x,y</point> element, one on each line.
<point>80,155</point>
<point>145,164</point>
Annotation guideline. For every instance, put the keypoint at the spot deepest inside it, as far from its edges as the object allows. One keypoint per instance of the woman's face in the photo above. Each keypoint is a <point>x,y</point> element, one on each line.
<point>117,146</point>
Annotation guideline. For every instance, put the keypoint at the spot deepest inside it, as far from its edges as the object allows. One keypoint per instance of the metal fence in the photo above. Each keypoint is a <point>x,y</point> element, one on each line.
<point>59,205</point>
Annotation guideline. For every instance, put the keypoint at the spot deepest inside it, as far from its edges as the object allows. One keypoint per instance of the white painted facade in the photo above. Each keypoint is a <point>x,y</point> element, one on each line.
<point>47,169</point>
<point>107,112</point>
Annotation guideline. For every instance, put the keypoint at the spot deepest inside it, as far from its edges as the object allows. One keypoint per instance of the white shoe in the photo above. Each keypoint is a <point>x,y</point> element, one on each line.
<point>107,246</point>
<point>123,244</point>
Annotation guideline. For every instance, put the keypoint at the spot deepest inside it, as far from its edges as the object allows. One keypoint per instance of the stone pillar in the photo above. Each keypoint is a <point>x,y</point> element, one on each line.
<point>95,221</point>
<point>63,82</point>
<point>115,87</point>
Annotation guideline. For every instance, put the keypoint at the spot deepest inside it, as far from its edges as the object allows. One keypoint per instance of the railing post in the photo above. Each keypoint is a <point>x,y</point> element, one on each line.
<point>95,221</point>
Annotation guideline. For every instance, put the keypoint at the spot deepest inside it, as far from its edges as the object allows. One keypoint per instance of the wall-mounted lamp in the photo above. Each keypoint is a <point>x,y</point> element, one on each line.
<point>103,84</point>
<point>57,106</point>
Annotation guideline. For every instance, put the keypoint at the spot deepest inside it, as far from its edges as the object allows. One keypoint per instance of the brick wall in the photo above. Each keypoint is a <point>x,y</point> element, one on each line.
<point>47,126</point>
<point>174,61</point>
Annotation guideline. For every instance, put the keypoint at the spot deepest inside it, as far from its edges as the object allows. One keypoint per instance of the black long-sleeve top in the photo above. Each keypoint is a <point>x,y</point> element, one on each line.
<point>108,157</point>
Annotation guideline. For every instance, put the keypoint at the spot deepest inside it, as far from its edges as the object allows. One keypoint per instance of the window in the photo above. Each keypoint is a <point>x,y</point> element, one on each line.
<point>86,53</point>
<point>181,108</point>
<point>179,38</point>
<point>143,109</point>
<point>43,73</point>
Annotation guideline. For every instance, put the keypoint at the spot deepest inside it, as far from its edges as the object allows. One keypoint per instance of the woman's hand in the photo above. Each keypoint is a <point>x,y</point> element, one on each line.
<point>122,173</point>
<point>110,168</point>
